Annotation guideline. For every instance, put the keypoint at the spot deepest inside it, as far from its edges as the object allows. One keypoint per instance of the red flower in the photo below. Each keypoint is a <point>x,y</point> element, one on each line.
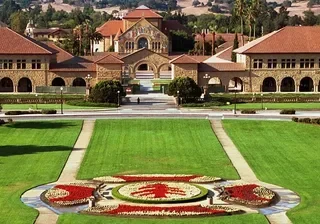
<point>133,178</point>
<point>123,208</point>
<point>159,190</point>
<point>75,193</point>
<point>245,192</point>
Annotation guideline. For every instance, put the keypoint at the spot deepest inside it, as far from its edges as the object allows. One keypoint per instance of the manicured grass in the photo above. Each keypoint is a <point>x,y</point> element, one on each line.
<point>155,146</point>
<point>31,154</point>
<point>43,106</point>
<point>238,219</point>
<point>286,154</point>
<point>270,106</point>
<point>40,96</point>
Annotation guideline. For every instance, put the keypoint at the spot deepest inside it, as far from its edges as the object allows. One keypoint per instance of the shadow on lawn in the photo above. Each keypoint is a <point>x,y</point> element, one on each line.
<point>41,124</point>
<point>14,150</point>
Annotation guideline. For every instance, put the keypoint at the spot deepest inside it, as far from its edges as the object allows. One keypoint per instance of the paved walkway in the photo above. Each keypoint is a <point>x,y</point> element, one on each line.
<point>275,214</point>
<point>31,198</point>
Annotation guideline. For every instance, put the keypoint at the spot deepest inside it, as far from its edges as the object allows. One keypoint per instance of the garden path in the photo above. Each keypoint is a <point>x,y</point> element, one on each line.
<point>68,174</point>
<point>275,214</point>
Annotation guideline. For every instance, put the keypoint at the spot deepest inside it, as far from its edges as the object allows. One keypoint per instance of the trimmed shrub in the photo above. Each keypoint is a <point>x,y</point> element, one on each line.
<point>295,119</point>
<point>2,122</point>
<point>288,111</point>
<point>248,111</point>
<point>305,120</point>
<point>207,104</point>
<point>0,107</point>
<point>49,111</point>
<point>83,103</point>
<point>19,112</point>
<point>10,120</point>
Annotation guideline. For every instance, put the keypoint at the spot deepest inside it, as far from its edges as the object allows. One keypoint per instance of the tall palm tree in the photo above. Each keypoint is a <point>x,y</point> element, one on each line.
<point>93,36</point>
<point>256,11</point>
<point>240,6</point>
<point>250,17</point>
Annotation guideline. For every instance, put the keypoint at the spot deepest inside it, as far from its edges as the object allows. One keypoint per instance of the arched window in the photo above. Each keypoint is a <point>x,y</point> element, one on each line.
<point>142,43</point>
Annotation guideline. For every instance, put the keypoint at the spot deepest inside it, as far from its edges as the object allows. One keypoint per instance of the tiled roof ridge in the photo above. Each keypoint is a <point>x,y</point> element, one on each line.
<point>109,55</point>
<point>184,55</point>
<point>141,49</point>
<point>67,52</point>
<point>24,37</point>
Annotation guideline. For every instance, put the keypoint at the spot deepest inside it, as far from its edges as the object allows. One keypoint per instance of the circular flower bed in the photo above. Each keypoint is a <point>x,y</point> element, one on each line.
<point>158,177</point>
<point>65,195</point>
<point>137,210</point>
<point>159,192</point>
<point>247,194</point>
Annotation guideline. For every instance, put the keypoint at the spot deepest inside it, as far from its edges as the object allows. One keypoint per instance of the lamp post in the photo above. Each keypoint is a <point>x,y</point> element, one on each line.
<point>36,101</point>
<point>88,79</point>
<point>118,98</point>
<point>178,97</point>
<point>61,103</point>
<point>235,101</point>
<point>262,101</point>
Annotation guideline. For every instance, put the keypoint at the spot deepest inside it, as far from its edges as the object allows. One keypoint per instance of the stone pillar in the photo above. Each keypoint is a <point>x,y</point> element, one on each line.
<point>315,88</point>
<point>297,88</point>
<point>278,88</point>
<point>15,88</point>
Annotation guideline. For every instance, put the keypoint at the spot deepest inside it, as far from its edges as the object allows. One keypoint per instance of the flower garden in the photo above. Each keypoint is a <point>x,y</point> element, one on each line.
<point>159,195</point>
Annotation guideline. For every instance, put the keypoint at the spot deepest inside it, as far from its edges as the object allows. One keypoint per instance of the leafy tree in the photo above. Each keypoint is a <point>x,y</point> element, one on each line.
<point>181,41</point>
<point>187,87</point>
<point>8,7</point>
<point>309,18</point>
<point>195,3</point>
<point>18,21</point>
<point>106,92</point>
<point>235,46</point>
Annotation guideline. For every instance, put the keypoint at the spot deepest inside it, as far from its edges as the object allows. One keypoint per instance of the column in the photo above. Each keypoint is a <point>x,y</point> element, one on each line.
<point>278,88</point>
<point>315,88</point>
<point>297,88</point>
<point>15,88</point>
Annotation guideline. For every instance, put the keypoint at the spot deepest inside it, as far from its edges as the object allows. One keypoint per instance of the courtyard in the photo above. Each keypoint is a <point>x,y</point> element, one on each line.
<point>159,146</point>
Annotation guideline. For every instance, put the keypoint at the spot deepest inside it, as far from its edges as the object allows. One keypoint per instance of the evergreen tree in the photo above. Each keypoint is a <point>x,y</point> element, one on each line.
<point>235,46</point>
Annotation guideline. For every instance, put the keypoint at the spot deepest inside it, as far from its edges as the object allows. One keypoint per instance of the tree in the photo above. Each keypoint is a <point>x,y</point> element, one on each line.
<point>8,7</point>
<point>187,87</point>
<point>18,21</point>
<point>181,41</point>
<point>195,3</point>
<point>235,46</point>
<point>309,18</point>
<point>106,92</point>
<point>240,6</point>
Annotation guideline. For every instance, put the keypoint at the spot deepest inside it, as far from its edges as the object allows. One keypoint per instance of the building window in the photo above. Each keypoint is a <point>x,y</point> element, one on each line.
<point>36,64</point>
<point>21,64</point>
<point>1,64</point>
<point>257,63</point>
<point>7,64</point>
<point>272,63</point>
<point>306,63</point>
<point>129,45</point>
<point>156,46</point>
<point>288,63</point>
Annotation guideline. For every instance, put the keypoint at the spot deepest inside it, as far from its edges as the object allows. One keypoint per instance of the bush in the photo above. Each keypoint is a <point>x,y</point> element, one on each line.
<point>49,111</point>
<point>188,89</point>
<point>0,107</point>
<point>248,111</point>
<point>288,111</point>
<point>106,92</point>
<point>83,103</point>
<point>207,104</point>
<point>2,122</point>
<point>10,120</point>
<point>19,112</point>
<point>295,119</point>
<point>315,121</point>
<point>305,120</point>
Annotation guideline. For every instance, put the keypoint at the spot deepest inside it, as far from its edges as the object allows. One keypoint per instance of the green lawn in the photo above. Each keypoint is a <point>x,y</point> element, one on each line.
<point>31,154</point>
<point>155,146</point>
<point>270,106</point>
<point>286,154</point>
<point>43,106</point>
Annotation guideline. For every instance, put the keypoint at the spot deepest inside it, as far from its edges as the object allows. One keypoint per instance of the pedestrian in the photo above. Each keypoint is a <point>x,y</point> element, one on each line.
<point>138,100</point>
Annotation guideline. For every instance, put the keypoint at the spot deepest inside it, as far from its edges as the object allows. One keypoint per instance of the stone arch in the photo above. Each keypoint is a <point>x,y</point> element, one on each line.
<point>143,42</point>
<point>269,84</point>
<point>149,74</point>
<point>24,85</point>
<point>6,85</point>
<point>215,85</point>
<point>306,84</point>
<point>58,81</point>
<point>165,71</point>
<point>235,84</point>
<point>287,85</point>
<point>78,82</point>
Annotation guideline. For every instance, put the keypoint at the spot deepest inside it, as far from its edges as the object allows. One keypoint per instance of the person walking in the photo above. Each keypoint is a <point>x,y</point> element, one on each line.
<point>138,100</point>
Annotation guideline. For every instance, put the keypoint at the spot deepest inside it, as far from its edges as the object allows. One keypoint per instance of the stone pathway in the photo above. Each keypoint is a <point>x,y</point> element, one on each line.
<point>31,197</point>
<point>275,214</point>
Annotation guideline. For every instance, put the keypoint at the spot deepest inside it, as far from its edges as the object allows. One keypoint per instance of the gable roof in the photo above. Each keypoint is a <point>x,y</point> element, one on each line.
<point>118,34</point>
<point>142,12</point>
<point>143,49</point>
<point>290,39</point>
<point>110,27</point>
<point>109,59</point>
<point>219,67</point>
<point>15,43</point>
<point>62,54</point>
<point>184,59</point>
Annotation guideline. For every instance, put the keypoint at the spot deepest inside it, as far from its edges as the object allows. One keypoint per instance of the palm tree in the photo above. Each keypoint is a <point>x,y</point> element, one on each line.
<point>240,6</point>
<point>256,11</point>
<point>93,36</point>
<point>250,17</point>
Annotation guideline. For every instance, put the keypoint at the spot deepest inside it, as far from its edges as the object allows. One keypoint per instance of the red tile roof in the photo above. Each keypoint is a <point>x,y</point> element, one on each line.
<point>109,59</point>
<point>110,28</point>
<point>62,54</point>
<point>14,43</point>
<point>142,13</point>
<point>184,59</point>
<point>75,64</point>
<point>290,39</point>
<point>216,67</point>
<point>228,37</point>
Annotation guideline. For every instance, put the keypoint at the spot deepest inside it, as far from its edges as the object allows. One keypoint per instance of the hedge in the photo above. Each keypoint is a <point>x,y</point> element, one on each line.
<point>208,104</point>
<point>49,111</point>
<point>248,111</point>
<point>20,112</point>
<point>307,120</point>
<point>2,122</point>
<point>83,103</point>
<point>288,111</point>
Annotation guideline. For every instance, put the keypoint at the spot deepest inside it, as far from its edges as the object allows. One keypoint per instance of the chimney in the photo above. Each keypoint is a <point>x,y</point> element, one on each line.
<point>213,43</point>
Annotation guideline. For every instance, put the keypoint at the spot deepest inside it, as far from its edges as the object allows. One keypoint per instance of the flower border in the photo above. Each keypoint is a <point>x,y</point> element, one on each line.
<point>202,195</point>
